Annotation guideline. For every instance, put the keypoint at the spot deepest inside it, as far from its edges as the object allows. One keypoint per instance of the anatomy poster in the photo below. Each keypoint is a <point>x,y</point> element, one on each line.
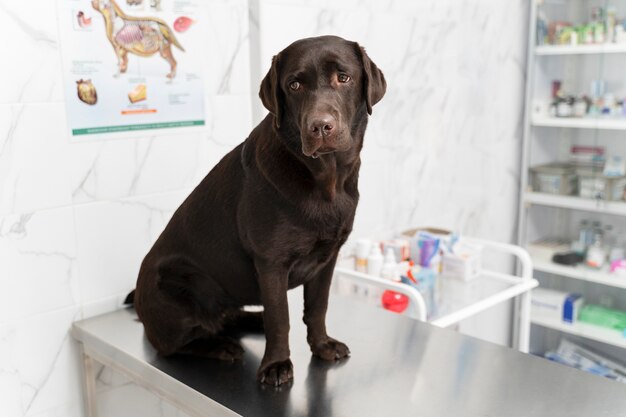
<point>132,65</point>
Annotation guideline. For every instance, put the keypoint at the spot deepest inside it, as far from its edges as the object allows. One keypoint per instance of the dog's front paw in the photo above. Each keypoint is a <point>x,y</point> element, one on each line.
<point>276,373</point>
<point>330,349</point>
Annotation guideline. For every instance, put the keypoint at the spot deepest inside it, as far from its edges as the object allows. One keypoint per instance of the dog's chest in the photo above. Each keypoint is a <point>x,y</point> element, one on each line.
<point>118,24</point>
<point>310,263</point>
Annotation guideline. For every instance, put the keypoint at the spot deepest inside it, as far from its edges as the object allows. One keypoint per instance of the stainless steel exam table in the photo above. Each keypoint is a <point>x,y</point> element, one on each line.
<point>398,367</point>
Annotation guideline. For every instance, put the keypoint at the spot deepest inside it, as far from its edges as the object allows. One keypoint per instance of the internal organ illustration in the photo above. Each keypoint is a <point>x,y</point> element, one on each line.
<point>83,21</point>
<point>86,92</point>
<point>182,24</point>
<point>138,93</point>
<point>143,36</point>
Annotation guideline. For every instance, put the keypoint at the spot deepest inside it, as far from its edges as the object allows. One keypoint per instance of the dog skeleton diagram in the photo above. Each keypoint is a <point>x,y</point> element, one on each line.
<point>143,36</point>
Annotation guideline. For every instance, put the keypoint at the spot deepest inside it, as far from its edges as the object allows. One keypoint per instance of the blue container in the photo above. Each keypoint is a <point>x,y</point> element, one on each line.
<point>425,278</point>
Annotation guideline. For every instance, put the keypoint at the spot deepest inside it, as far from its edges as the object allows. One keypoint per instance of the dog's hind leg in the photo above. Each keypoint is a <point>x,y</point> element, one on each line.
<point>224,345</point>
<point>166,53</point>
<point>123,54</point>
<point>219,347</point>
<point>122,60</point>
<point>236,321</point>
<point>185,314</point>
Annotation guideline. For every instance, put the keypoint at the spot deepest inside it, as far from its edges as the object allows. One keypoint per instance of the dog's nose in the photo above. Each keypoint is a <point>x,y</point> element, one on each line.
<point>322,126</point>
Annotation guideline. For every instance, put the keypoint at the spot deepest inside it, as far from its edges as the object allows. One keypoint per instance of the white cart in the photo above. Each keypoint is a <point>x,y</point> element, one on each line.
<point>458,300</point>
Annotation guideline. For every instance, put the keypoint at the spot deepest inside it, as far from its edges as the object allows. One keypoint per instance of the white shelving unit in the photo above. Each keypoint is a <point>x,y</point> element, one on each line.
<point>608,336</point>
<point>457,300</point>
<point>614,48</point>
<point>547,139</point>
<point>575,203</point>
<point>581,273</point>
<point>604,123</point>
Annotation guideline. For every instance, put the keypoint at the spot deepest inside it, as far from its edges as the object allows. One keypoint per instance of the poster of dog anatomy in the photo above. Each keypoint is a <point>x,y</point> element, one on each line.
<point>132,65</point>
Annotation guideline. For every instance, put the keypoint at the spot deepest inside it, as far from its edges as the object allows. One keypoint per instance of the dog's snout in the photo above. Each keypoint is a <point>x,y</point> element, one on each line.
<point>322,125</point>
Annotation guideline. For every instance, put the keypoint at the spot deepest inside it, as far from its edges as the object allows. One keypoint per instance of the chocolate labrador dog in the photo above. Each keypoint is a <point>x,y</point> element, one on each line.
<point>270,216</point>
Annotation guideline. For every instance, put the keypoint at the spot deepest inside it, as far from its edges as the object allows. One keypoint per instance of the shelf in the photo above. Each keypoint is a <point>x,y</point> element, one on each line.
<point>589,331</point>
<point>573,64</point>
<point>605,123</point>
<point>575,203</point>
<point>454,299</point>
<point>458,299</point>
<point>581,273</point>
<point>605,48</point>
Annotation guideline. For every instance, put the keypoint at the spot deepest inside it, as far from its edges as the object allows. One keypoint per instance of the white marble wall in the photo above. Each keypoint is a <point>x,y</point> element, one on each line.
<point>76,218</point>
<point>443,146</point>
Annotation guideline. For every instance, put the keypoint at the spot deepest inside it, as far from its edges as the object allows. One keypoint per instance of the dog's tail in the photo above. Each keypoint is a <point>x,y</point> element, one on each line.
<point>167,32</point>
<point>130,298</point>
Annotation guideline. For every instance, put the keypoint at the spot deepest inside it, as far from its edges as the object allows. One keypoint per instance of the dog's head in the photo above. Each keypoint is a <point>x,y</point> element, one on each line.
<point>99,5</point>
<point>104,6</point>
<point>317,87</point>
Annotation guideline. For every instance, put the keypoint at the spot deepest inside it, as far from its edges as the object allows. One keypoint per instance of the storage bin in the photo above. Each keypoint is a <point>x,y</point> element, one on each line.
<point>592,184</point>
<point>554,178</point>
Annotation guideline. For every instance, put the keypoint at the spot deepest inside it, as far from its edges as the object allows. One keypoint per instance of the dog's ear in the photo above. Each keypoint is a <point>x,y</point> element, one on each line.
<point>270,93</point>
<point>374,84</point>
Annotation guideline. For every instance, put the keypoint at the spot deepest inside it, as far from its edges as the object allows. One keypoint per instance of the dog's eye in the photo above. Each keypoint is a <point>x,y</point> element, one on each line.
<point>294,85</point>
<point>343,78</point>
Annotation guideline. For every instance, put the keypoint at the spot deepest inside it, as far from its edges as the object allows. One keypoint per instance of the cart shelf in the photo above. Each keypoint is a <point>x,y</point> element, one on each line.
<point>456,300</point>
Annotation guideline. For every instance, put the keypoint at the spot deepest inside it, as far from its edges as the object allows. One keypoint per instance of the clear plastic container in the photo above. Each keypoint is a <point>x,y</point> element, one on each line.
<point>554,178</point>
<point>593,184</point>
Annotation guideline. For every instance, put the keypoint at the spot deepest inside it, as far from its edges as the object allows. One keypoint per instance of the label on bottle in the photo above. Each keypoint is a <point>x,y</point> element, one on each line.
<point>361,264</point>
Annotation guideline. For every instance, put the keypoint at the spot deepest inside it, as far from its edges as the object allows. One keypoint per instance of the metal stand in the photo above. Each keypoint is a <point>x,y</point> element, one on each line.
<point>89,384</point>
<point>517,289</point>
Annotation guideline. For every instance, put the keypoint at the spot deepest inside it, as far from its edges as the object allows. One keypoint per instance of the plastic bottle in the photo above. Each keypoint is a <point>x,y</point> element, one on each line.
<point>594,230</point>
<point>375,261</point>
<point>586,233</point>
<point>580,245</point>
<point>613,247</point>
<point>390,267</point>
<point>611,22</point>
<point>363,248</point>
<point>392,300</point>
<point>596,253</point>
<point>542,28</point>
<point>597,18</point>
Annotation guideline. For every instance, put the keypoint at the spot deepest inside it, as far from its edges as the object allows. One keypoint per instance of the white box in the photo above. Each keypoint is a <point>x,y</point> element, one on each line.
<point>556,305</point>
<point>464,263</point>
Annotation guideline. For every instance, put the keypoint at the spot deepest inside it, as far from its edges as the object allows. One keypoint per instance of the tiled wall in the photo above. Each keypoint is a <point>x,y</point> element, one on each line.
<point>76,218</point>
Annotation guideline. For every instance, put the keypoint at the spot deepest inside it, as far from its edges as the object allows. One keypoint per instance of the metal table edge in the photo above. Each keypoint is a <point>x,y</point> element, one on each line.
<point>197,404</point>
